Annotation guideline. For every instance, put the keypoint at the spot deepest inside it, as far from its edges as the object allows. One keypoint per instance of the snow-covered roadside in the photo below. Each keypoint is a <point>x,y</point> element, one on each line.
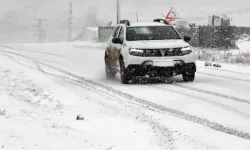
<point>41,114</point>
<point>244,45</point>
<point>226,66</point>
<point>239,56</point>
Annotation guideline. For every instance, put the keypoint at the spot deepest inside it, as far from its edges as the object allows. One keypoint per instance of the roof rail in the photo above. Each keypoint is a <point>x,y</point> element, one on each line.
<point>126,22</point>
<point>161,21</point>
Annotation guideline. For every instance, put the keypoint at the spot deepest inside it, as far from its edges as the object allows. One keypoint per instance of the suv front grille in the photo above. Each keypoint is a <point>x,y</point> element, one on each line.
<point>162,52</point>
<point>152,53</point>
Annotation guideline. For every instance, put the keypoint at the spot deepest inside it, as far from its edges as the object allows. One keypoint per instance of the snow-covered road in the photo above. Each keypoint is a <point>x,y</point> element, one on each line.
<point>211,113</point>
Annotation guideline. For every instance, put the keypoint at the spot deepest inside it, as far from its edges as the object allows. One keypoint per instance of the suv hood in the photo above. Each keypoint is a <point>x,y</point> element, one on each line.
<point>157,44</point>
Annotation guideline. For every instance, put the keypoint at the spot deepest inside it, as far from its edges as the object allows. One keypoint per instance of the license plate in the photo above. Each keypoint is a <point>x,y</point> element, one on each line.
<point>163,63</point>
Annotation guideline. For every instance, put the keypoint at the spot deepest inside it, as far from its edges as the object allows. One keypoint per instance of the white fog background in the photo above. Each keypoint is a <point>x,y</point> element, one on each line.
<point>17,17</point>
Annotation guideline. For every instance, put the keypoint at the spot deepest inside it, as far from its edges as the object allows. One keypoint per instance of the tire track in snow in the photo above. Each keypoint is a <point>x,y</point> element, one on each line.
<point>231,78</point>
<point>16,49</point>
<point>223,70</point>
<point>28,57</point>
<point>214,103</point>
<point>183,85</point>
<point>214,93</point>
<point>179,114</point>
<point>19,62</point>
<point>176,113</point>
<point>167,134</point>
<point>166,138</point>
<point>164,135</point>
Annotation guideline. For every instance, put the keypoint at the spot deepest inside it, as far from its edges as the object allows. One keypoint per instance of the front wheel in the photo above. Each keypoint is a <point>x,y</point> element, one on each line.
<point>124,73</point>
<point>188,77</point>
<point>110,72</point>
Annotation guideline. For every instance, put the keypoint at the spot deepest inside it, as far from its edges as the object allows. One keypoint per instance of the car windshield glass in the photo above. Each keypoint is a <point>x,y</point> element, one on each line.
<point>151,33</point>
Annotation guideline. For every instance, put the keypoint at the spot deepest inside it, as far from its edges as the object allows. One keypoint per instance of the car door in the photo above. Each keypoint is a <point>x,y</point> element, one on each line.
<point>114,46</point>
<point>110,43</point>
<point>120,46</point>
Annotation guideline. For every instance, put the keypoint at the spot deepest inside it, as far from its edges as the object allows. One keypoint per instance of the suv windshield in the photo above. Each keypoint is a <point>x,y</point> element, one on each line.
<point>151,33</point>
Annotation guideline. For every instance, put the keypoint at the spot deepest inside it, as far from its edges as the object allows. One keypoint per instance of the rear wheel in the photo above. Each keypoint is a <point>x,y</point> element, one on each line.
<point>124,73</point>
<point>188,77</point>
<point>110,72</point>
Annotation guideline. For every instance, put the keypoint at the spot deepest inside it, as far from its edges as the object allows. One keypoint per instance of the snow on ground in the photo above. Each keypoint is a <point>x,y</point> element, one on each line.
<point>41,114</point>
<point>244,46</point>
<point>52,83</point>
<point>238,57</point>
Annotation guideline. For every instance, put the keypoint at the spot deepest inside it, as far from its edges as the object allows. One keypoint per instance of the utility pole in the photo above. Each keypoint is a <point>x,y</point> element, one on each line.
<point>136,16</point>
<point>70,21</point>
<point>41,31</point>
<point>118,11</point>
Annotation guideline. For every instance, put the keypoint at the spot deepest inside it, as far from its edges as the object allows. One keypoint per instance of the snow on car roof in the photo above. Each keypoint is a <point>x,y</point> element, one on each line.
<point>148,24</point>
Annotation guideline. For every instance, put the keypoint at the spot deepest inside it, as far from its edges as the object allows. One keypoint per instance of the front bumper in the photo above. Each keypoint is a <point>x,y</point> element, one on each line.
<point>137,60</point>
<point>148,70</point>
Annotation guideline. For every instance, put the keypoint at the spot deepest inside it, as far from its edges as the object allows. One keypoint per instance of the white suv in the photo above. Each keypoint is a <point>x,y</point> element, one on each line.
<point>149,49</point>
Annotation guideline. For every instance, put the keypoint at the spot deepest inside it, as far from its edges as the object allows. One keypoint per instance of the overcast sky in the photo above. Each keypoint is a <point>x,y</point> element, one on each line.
<point>192,10</point>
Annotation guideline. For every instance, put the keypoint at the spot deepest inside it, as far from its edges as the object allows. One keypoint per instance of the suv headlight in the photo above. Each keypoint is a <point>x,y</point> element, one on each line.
<point>136,51</point>
<point>186,50</point>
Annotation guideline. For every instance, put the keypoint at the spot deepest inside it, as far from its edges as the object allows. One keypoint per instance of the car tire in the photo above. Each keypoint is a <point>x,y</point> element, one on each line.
<point>110,73</point>
<point>123,71</point>
<point>188,77</point>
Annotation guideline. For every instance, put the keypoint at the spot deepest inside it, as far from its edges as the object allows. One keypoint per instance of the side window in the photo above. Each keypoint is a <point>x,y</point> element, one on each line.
<point>121,34</point>
<point>117,32</point>
<point>114,31</point>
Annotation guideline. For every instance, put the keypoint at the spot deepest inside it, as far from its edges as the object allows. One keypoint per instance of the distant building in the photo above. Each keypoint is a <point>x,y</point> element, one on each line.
<point>219,20</point>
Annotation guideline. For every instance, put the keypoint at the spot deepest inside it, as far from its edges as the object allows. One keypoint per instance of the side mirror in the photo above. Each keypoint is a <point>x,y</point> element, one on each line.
<point>117,41</point>
<point>187,38</point>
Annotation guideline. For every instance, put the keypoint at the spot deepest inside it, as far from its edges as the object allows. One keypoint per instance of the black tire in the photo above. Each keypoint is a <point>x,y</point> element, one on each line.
<point>124,73</point>
<point>110,73</point>
<point>188,77</point>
